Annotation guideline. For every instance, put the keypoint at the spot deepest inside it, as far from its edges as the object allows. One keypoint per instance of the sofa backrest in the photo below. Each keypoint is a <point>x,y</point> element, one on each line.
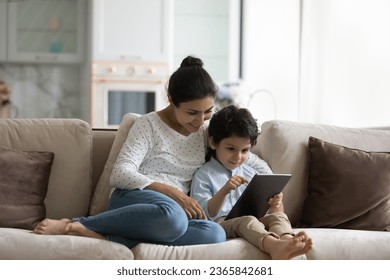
<point>69,190</point>
<point>102,192</point>
<point>284,145</point>
<point>102,140</point>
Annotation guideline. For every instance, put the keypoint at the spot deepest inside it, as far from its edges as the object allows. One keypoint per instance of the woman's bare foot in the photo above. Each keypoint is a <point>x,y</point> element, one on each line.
<point>52,227</point>
<point>65,227</point>
<point>79,229</point>
<point>287,247</point>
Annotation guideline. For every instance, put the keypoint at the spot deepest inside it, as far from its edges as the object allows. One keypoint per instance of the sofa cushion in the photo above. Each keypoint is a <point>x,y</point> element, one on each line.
<point>19,244</point>
<point>347,188</point>
<point>103,189</point>
<point>344,244</point>
<point>69,191</point>
<point>232,249</point>
<point>23,186</point>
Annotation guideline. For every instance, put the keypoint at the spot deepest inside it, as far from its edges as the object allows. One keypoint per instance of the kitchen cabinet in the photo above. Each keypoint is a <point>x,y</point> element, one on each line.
<point>211,31</point>
<point>45,31</point>
<point>3,30</point>
<point>128,30</point>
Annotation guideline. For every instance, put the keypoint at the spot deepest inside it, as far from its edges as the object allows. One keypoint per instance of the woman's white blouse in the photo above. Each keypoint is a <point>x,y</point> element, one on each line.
<point>154,152</point>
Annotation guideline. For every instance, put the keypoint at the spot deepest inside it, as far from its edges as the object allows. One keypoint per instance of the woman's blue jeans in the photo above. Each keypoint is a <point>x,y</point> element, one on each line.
<point>136,216</point>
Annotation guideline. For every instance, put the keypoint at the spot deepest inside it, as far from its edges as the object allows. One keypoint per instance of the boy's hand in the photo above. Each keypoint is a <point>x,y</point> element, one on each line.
<point>276,203</point>
<point>234,182</point>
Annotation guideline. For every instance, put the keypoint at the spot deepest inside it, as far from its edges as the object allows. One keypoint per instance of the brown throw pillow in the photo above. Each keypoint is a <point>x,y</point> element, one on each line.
<point>347,188</point>
<point>24,178</point>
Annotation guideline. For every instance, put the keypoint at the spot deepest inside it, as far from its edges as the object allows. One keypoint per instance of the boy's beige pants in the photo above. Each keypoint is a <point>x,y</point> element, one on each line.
<point>254,230</point>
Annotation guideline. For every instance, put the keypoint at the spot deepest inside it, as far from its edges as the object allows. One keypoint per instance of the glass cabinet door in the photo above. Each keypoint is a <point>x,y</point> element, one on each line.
<point>45,30</point>
<point>128,30</point>
<point>210,30</point>
<point>3,30</point>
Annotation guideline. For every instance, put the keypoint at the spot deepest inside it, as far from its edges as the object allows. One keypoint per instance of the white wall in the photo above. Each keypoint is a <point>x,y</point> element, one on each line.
<point>346,62</point>
<point>333,69</point>
<point>271,56</point>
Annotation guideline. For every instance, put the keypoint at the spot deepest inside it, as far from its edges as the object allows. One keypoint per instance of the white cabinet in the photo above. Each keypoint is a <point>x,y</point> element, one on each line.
<point>3,30</point>
<point>129,30</point>
<point>211,31</point>
<point>45,31</point>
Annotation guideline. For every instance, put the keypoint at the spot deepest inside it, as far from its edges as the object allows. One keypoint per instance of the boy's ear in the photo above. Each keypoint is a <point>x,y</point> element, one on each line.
<point>211,143</point>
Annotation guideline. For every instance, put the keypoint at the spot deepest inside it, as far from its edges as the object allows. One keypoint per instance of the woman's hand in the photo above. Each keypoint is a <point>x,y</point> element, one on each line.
<point>190,206</point>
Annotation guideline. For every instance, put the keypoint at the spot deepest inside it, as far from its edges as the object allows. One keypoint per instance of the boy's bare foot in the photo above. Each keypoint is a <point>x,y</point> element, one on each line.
<point>287,247</point>
<point>300,237</point>
<point>65,227</point>
<point>52,227</point>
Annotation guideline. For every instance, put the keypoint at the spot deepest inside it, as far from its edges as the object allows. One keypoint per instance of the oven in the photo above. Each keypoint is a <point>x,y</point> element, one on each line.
<point>122,87</point>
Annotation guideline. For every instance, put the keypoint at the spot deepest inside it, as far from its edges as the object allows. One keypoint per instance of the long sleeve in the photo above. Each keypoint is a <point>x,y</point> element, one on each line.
<point>260,165</point>
<point>201,190</point>
<point>154,152</point>
<point>210,178</point>
<point>125,173</point>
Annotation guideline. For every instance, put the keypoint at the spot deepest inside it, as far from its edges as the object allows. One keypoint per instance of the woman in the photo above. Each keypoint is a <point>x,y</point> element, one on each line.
<point>153,171</point>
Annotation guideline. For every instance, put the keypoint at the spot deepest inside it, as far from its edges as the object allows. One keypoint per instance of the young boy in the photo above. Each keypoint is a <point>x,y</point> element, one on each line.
<point>218,184</point>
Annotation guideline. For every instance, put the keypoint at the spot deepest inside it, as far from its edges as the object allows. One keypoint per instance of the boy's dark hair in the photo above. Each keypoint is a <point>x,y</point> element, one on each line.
<point>232,121</point>
<point>190,82</point>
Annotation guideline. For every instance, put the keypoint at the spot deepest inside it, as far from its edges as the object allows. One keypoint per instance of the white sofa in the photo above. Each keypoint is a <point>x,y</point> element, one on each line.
<point>78,186</point>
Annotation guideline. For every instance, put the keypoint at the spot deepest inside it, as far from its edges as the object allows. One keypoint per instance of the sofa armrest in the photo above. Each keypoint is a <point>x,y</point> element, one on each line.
<point>69,190</point>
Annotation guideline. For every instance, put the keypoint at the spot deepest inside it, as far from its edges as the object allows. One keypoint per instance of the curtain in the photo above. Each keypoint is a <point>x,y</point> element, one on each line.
<point>345,62</point>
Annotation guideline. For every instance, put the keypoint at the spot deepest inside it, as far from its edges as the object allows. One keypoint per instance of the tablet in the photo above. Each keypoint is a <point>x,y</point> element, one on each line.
<point>254,199</point>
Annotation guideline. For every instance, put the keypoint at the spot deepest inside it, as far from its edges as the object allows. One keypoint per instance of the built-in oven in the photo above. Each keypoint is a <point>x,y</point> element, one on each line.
<point>122,87</point>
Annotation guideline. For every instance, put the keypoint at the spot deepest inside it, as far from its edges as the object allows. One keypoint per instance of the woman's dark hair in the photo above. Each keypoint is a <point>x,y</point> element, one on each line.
<point>232,121</point>
<point>190,82</point>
